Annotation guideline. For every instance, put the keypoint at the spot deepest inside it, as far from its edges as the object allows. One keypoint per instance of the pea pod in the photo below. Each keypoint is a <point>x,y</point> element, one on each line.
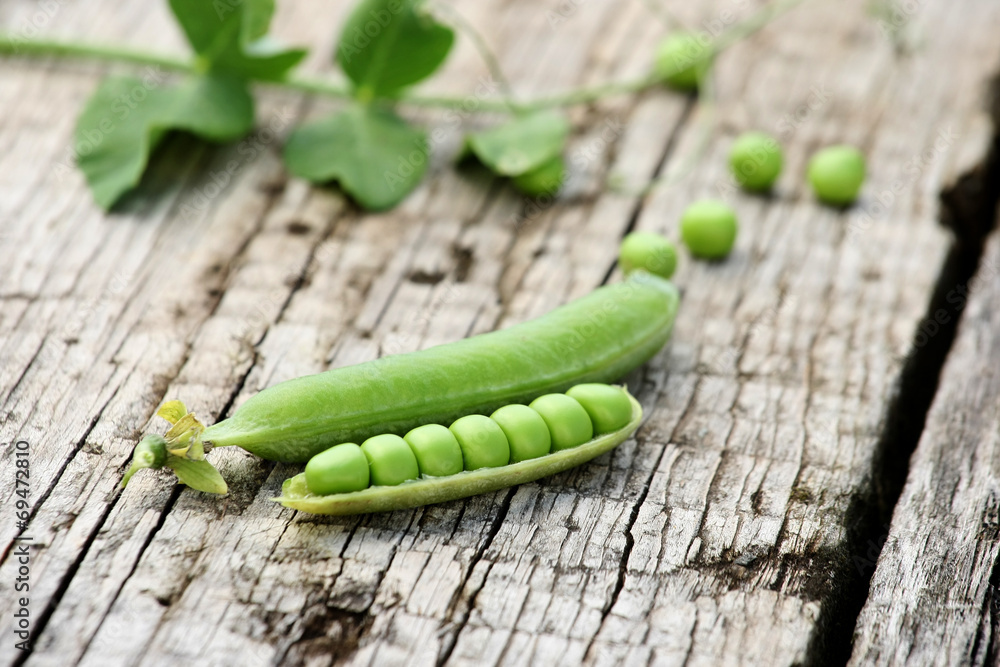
<point>295,491</point>
<point>596,338</point>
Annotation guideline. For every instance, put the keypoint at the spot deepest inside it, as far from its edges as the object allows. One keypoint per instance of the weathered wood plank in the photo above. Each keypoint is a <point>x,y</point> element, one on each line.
<point>252,294</point>
<point>713,536</point>
<point>933,596</point>
<point>770,455</point>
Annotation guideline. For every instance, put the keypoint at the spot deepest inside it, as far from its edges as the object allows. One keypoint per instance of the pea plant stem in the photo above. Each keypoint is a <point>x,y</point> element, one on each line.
<point>41,47</point>
<point>51,47</point>
<point>16,46</point>
<point>487,55</point>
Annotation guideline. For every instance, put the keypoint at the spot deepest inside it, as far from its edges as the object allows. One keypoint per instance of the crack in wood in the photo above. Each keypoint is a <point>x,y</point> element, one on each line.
<point>668,150</point>
<point>41,624</point>
<point>986,643</point>
<point>728,565</point>
<point>968,208</point>
<point>78,447</point>
<point>64,582</point>
<point>627,549</point>
<point>451,638</point>
<point>167,507</point>
<point>24,372</point>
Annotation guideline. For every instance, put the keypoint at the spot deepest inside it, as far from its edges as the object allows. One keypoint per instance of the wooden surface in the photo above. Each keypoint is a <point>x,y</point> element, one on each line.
<point>934,596</point>
<point>728,531</point>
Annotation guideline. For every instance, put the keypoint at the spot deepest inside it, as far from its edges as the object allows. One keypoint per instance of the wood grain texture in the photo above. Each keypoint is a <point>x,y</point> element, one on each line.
<point>934,596</point>
<point>716,536</point>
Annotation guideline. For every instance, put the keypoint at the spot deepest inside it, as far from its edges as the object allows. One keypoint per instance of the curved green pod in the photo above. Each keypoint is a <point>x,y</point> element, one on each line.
<point>597,338</point>
<point>429,490</point>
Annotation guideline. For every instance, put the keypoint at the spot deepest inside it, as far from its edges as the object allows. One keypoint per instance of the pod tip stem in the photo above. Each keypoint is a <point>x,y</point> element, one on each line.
<point>180,449</point>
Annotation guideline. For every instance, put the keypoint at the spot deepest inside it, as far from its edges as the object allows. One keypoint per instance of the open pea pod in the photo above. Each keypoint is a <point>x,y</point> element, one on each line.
<point>429,490</point>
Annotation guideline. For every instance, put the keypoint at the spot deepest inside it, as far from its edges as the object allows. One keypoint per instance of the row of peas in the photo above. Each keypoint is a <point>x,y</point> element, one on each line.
<point>513,433</point>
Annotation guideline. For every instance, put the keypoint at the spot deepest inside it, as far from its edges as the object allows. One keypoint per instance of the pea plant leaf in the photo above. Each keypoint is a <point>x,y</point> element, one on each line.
<point>231,36</point>
<point>199,475</point>
<point>373,154</point>
<point>387,45</point>
<point>522,144</point>
<point>127,117</point>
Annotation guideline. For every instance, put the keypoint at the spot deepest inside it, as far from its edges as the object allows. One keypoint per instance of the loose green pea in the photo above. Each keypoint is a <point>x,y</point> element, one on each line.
<point>648,251</point>
<point>483,442</point>
<point>607,406</point>
<point>436,449</point>
<point>682,60</point>
<point>568,422</point>
<point>756,160</point>
<point>390,460</point>
<point>836,174</point>
<point>341,469</point>
<point>708,228</point>
<point>546,179</point>
<point>526,432</point>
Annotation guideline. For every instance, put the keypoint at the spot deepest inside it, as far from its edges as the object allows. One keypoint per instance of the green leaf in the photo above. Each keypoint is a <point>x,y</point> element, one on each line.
<point>374,154</point>
<point>230,36</point>
<point>387,45</point>
<point>126,117</point>
<point>521,145</point>
<point>199,475</point>
<point>256,18</point>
